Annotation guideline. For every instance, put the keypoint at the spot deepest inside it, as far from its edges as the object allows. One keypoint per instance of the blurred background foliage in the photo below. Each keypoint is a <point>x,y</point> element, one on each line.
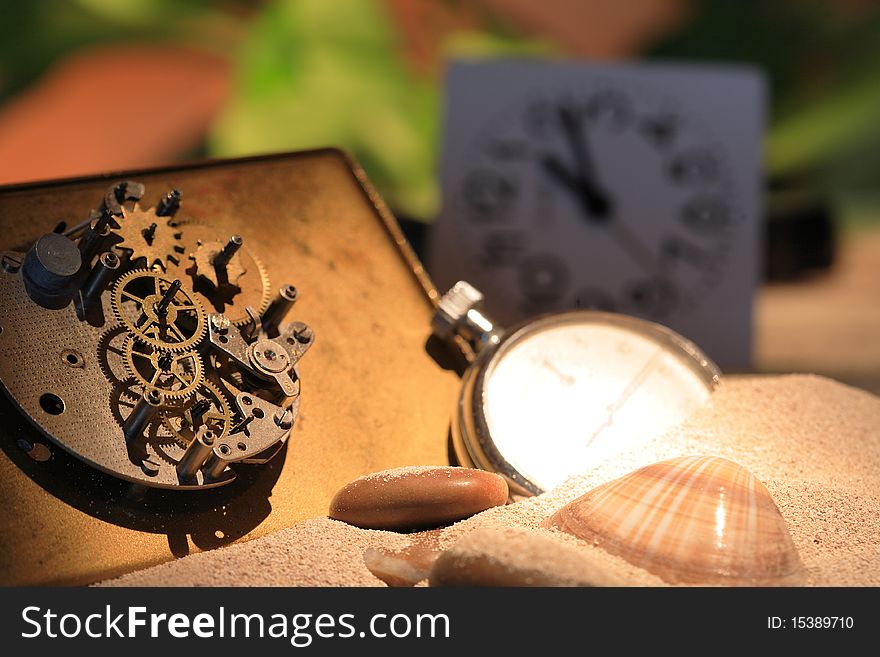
<point>35,34</point>
<point>367,74</point>
<point>312,73</point>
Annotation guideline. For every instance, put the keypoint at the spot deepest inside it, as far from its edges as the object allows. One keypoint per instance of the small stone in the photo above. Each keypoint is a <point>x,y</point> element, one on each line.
<point>407,566</point>
<point>417,498</point>
<point>511,556</point>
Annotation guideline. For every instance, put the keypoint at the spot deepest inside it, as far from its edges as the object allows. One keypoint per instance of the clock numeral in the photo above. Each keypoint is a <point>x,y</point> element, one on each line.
<point>593,298</point>
<point>503,248</point>
<point>675,249</point>
<point>610,107</point>
<point>705,215</point>
<point>693,167</point>
<point>489,195</point>
<point>543,280</point>
<point>660,130</point>
<point>652,297</point>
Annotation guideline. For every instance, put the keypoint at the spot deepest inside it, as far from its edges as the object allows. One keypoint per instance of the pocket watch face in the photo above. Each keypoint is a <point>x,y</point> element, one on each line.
<point>570,391</point>
<point>607,198</point>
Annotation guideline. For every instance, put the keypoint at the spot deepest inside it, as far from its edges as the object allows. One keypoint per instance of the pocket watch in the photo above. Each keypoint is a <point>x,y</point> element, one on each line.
<point>555,395</point>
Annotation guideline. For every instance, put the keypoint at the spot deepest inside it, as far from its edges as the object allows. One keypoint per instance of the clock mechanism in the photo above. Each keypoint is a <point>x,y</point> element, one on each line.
<point>562,186</point>
<point>149,346</point>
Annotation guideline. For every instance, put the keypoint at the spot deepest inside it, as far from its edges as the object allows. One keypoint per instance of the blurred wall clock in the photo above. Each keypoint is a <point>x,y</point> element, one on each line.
<point>633,189</point>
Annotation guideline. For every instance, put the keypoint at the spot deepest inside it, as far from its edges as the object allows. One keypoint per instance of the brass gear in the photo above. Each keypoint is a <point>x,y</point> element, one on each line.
<point>218,417</point>
<point>110,354</point>
<point>151,237</point>
<point>134,300</point>
<point>205,257</point>
<point>250,285</point>
<point>177,374</point>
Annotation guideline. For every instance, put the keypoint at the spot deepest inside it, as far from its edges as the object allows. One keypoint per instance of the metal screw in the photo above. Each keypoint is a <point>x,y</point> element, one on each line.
<point>303,334</point>
<point>10,264</point>
<point>289,292</point>
<point>161,306</point>
<point>150,468</point>
<point>281,304</point>
<point>99,278</point>
<point>283,418</point>
<point>169,204</point>
<point>196,455</point>
<point>232,246</point>
<point>95,233</point>
<point>142,414</point>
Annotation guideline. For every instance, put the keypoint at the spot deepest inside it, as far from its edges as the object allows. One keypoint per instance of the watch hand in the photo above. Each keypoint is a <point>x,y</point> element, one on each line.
<point>628,392</point>
<point>582,181</point>
<point>594,202</point>
<point>578,141</point>
<point>575,134</point>
<point>566,379</point>
<point>597,209</point>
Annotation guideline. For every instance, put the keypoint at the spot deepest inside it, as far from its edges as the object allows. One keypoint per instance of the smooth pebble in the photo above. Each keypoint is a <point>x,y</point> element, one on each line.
<point>407,566</point>
<point>417,498</point>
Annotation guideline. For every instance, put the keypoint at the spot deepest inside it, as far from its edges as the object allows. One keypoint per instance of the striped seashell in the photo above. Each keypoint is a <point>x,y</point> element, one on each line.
<point>692,520</point>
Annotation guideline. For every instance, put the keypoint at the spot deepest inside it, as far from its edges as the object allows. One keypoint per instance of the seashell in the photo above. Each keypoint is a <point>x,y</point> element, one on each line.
<point>694,520</point>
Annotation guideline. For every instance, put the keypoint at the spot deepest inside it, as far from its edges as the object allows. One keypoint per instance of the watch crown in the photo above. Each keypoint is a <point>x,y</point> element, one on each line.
<point>453,309</point>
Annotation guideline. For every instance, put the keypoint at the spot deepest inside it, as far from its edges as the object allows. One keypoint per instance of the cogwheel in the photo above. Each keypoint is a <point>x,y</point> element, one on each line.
<point>123,398</point>
<point>176,373</point>
<point>245,283</point>
<point>110,354</point>
<point>167,449</point>
<point>209,402</point>
<point>156,313</point>
<point>237,315</point>
<point>209,254</point>
<point>149,236</point>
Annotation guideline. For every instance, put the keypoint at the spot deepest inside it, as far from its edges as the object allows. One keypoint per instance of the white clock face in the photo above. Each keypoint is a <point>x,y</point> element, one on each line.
<point>604,197</point>
<point>592,389</point>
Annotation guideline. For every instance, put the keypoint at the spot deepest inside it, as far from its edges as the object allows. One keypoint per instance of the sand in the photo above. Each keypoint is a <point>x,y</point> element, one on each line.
<point>815,444</point>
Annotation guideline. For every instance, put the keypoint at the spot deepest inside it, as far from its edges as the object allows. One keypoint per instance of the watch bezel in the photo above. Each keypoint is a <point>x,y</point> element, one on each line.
<point>471,436</point>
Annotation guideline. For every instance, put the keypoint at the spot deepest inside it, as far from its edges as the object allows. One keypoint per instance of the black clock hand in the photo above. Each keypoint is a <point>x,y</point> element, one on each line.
<point>634,248</point>
<point>594,203</point>
<point>598,203</point>
<point>572,127</point>
<point>581,183</point>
